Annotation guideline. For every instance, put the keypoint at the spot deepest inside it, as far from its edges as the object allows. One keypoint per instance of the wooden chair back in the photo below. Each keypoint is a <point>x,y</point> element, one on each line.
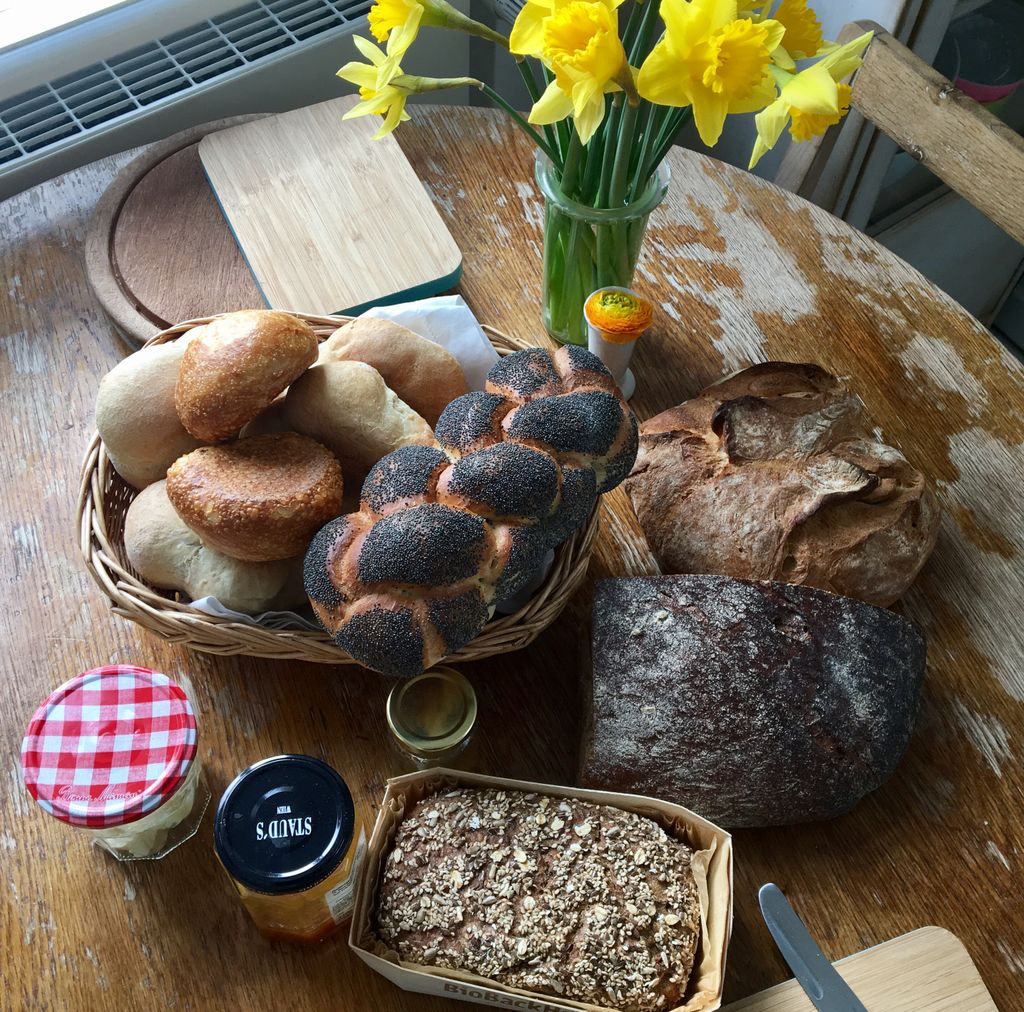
<point>969,149</point>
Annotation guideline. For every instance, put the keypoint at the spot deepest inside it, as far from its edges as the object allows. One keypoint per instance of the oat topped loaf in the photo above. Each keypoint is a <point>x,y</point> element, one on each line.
<point>557,896</point>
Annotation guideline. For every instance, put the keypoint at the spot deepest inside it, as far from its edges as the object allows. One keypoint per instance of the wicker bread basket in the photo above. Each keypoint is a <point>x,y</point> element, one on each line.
<point>103,501</point>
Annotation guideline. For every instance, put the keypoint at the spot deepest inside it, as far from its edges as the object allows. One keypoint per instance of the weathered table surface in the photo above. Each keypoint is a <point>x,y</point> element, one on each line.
<point>743,272</point>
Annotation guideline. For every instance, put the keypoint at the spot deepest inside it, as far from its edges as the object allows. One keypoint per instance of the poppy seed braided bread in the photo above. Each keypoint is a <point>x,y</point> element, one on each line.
<point>445,531</point>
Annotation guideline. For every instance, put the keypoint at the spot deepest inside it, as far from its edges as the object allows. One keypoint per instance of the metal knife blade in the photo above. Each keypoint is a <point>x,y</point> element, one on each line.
<point>811,967</point>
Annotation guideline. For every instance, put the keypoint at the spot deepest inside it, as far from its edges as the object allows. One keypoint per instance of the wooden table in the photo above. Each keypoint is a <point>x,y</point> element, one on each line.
<point>743,272</point>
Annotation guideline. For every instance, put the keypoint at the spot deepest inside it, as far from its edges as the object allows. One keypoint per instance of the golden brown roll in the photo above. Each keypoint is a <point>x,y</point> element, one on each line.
<point>258,499</point>
<point>235,366</point>
<point>423,374</point>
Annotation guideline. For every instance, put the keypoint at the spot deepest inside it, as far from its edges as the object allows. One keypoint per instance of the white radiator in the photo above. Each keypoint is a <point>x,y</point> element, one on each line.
<point>265,56</point>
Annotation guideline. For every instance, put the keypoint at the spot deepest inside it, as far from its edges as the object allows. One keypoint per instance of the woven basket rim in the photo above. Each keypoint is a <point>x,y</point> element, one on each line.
<point>177,621</point>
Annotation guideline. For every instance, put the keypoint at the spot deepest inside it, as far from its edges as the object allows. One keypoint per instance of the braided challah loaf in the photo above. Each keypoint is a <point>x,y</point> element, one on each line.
<point>445,531</point>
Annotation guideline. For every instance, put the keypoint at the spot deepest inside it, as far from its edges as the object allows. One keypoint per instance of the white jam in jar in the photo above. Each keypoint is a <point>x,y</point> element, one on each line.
<point>115,751</point>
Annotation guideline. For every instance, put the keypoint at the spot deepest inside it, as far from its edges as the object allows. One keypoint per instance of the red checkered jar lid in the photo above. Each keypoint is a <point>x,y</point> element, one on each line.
<point>109,746</point>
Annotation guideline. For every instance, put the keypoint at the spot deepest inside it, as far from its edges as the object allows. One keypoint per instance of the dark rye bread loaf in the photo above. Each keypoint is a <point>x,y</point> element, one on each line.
<point>754,704</point>
<point>444,532</point>
<point>558,897</point>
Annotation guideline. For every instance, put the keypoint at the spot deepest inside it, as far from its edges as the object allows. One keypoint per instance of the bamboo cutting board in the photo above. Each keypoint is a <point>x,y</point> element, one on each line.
<point>328,219</point>
<point>928,969</point>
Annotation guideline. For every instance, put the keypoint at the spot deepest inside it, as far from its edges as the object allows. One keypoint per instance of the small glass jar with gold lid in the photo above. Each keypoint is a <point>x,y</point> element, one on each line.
<point>287,833</point>
<point>431,718</point>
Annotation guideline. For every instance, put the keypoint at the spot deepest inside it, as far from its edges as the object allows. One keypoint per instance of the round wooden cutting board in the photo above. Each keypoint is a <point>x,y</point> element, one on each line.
<point>158,250</point>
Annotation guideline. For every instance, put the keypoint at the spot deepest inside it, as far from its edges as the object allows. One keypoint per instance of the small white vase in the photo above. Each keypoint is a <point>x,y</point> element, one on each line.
<point>613,341</point>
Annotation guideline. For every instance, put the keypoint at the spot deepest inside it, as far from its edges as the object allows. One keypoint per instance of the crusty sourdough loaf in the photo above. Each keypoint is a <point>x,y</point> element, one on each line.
<point>166,553</point>
<point>444,531</point>
<point>424,375</point>
<point>754,704</point>
<point>774,474</point>
<point>236,365</point>
<point>136,417</point>
<point>559,897</point>
<point>258,499</point>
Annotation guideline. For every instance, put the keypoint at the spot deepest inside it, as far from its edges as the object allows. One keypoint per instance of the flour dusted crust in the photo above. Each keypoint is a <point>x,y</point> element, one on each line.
<point>555,896</point>
<point>755,704</point>
<point>775,474</point>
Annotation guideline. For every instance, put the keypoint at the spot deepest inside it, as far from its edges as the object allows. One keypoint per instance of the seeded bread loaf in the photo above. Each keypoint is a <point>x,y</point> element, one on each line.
<point>559,897</point>
<point>445,531</point>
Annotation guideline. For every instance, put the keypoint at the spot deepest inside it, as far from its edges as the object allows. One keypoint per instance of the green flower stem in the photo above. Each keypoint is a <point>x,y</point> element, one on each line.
<point>593,151</point>
<point>619,251</point>
<point>608,153</point>
<point>642,43</point>
<point>518,117</point>
<point>623,150</point>
<point>637,179</point>
<point>526,72</point>
<point>570,170</point>
<point>638,9</point>
<point>672,127</point>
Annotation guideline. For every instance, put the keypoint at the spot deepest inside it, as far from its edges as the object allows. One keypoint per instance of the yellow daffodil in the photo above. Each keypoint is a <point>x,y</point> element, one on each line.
<point>527,36</point>
<point>803,36</point>
<point>712,60</point>
<point>810,101</point>
<point>397,22</point>
<point>581,45</point>
<point>379,96</point>
<point>383,87</point>
<point>399,18</point>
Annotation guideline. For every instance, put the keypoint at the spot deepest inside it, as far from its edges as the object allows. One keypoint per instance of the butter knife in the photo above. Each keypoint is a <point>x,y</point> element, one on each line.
<point>811,967</point>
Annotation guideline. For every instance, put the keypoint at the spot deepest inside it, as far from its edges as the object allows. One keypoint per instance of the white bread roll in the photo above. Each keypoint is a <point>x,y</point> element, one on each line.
<point>425,375</point>
<point>136,417</point>
<point>348,408</point>
<point>168,554</point>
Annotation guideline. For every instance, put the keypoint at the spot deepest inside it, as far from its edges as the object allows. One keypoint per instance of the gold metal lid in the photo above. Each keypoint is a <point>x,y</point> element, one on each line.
<point>432,714</point>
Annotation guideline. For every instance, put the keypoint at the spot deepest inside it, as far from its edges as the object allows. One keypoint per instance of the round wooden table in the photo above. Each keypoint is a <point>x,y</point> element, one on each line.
<point>742,272</point>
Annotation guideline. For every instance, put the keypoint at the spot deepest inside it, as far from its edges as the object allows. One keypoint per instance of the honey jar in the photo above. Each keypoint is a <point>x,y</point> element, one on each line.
<point>287,834</point>
<point>431,719</point>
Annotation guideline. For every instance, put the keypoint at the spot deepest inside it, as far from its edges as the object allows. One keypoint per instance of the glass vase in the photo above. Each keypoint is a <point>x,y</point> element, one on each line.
<point>586,248</point>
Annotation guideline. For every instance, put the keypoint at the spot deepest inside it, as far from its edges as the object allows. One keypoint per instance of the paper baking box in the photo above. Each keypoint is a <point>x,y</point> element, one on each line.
<point>712,868</point>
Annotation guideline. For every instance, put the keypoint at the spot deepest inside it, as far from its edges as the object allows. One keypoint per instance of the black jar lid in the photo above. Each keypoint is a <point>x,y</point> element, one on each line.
<point>284,824</point>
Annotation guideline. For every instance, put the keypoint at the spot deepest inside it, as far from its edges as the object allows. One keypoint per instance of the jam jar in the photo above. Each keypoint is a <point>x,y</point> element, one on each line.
<point>287,834</point>
<point>114,751</point>
<point>431,719</point>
